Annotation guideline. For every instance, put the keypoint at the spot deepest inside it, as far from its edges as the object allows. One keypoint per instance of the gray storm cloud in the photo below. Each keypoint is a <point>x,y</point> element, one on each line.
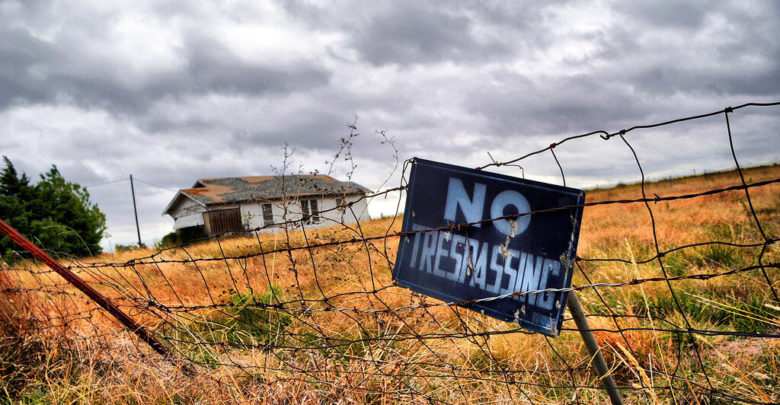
<point>172,93</point>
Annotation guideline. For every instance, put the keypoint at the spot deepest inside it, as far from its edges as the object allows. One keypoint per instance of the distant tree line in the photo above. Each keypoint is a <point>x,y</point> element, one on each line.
<point>54,213</point>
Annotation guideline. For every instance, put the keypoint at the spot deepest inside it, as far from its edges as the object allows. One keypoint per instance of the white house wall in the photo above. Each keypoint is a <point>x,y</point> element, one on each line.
<point>186,213</point>
<point>187,221</point>
<point>252,215</point>
<point>330,214</point>
<point>185,207</point>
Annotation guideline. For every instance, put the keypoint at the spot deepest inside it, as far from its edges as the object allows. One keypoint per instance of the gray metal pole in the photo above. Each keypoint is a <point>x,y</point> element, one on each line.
<point>135,210</point>
<point>593,348</point>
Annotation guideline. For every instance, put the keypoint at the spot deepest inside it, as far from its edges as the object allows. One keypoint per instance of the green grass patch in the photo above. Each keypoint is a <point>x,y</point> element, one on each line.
<point>751,312</point>
<point>244,320</point>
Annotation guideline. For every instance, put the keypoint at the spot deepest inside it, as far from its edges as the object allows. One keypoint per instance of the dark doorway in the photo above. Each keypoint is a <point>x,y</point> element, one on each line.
<point>221,221</point>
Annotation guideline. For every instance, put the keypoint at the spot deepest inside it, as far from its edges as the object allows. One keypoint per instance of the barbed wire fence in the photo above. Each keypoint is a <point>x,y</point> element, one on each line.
<point>311,313</point>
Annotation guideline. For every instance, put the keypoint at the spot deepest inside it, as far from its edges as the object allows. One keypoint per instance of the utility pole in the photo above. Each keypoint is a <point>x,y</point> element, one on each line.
<point>135,210</point>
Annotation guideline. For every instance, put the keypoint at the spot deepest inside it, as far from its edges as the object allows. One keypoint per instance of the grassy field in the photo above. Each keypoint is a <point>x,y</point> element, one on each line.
<point>260,326</point>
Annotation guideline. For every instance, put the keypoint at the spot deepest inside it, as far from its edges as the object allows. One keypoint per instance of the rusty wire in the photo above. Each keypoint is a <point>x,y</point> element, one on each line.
<point>318,309</point>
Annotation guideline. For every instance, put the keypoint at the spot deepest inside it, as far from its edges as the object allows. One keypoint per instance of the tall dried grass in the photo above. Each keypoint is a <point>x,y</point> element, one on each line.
<point>357,357</point>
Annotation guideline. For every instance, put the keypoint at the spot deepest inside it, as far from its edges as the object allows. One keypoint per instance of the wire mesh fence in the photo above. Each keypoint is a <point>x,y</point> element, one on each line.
<point>678,277</point>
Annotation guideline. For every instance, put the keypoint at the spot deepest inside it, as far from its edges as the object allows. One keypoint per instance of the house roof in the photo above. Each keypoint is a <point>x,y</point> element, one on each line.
<point>257,188</point>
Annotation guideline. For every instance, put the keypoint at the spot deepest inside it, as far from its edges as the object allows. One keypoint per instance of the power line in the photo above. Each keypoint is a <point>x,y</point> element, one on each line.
<point>153,185</point>
<point>105,183</point>
<point>134,178</point>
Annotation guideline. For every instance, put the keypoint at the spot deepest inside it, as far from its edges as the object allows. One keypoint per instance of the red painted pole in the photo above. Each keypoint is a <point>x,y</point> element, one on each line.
<point>123,318</point>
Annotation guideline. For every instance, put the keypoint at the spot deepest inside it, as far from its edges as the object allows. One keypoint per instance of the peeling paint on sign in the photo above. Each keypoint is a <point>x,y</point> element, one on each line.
<point>472,236</point>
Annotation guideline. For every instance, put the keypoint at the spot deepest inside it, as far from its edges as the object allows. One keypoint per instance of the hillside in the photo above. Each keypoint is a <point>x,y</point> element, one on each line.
<point>315,317</point>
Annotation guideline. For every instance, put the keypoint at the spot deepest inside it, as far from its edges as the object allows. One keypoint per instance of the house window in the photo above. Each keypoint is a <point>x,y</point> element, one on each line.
<point>268,214</point>
<point>310,213</point>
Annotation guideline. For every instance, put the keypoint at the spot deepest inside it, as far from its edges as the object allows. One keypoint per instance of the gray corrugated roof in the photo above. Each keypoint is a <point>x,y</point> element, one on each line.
<point>237,189</point>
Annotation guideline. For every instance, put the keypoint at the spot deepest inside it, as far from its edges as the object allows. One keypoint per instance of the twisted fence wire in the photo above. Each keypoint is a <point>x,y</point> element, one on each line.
<point>315,308</point>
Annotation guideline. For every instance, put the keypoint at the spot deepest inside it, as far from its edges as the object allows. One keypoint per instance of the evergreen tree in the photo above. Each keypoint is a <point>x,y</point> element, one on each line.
<point>10,183</point>
<point>54,213</point>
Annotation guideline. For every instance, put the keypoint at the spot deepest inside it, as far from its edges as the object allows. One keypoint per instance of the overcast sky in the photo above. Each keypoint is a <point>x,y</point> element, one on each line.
<point>180,90</point>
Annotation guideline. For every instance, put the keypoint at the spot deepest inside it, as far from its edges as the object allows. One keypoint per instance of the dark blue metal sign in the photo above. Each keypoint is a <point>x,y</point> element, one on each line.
<point>457,250</point>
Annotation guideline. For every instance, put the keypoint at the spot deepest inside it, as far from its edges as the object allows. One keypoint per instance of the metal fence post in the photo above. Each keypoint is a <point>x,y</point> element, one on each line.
<point>77,282</point>
<point>593,348</point>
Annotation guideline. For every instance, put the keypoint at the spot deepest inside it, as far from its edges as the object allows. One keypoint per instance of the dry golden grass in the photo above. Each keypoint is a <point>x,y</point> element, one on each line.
<point>418,355</point>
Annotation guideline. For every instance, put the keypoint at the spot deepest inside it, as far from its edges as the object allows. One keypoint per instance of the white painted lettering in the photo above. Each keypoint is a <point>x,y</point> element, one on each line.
<point>532,273</point>
<point>470,259</point>
<point>440,251</point>
<point>520,275</point>
<point>457,196</point>
<point>497,268</point>
<point>428,250</point>
<point>512,257</point>
<point>510,197</point>
<point>415,246</point>
<point>458,242</point>
<point>480,268</point>
<point>545,300</point>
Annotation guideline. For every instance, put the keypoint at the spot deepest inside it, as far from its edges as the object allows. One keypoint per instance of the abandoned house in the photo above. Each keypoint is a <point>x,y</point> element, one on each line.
<point>238,204</point>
